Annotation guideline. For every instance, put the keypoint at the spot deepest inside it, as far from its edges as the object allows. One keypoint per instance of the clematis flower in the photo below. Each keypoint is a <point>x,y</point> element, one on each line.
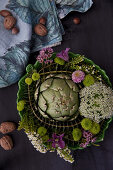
<point>88,139</point>
<point>78,76</point>
<point>57,141</point>
<point>84,145</point>
<point>93,140</point>
<point>64,54</point>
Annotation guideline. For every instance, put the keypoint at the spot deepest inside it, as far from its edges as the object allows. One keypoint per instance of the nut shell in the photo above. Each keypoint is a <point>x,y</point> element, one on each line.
<point>42,21</point>
<point>6,142</point>
<point>7,127</point>
<point>40,30</point>
<point>15,31</point>
<point>5,13</point>
<point>9,22</point>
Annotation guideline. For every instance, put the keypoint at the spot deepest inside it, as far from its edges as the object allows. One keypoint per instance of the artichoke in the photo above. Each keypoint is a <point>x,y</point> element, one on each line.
<point>58,98</point>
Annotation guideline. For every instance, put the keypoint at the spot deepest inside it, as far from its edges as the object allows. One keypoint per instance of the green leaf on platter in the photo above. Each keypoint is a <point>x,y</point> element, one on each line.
<point>29,68</point>
<point>37,66</point>
<point>53,56</point>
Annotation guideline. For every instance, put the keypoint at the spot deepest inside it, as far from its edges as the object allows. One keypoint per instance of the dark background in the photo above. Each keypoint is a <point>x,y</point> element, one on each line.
<point>93,37</point>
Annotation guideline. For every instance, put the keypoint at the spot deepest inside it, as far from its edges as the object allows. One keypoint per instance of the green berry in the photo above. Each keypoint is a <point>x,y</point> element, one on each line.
<point>86,124</point>
<point>20,105</point>
<point>59,61</point>
<point>89,80</point>
<point>45,138</point>
<point>35,76</point>
<point>28,81</point>
<point>42,131</point>
<point>95,128</point>
<point>77,134</point>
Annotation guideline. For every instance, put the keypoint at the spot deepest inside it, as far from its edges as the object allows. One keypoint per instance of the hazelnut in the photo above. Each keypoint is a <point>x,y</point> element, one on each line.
<point>9,22</point>
<point>7,127</point>
<point>76,20</point>
<point>6,142</point>
<point>15,30</point>
<point>42,21</point>
<point>40,30</point>
<point>5,13</point>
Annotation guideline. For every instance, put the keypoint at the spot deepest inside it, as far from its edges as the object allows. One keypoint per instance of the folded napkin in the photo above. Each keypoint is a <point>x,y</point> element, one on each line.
<point>15,49</point>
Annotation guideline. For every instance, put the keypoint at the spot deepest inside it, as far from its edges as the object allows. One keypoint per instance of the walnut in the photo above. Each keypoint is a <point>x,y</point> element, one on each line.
<point>5,13</point>
<point>6,142</point>
<point>9,22</point>
<point>7,127</point>
<point>15,30</point>
<point>40,30</point>
<point>42,21</point>
<point>76,20</point>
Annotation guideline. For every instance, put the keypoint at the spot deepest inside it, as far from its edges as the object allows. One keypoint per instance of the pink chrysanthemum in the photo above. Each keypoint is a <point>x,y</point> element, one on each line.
<point>78,76</point>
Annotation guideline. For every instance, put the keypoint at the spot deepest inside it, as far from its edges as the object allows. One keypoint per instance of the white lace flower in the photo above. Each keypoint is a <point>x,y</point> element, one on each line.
<point>96,102</point>
<point>37,142</point>
<point>65,154</point>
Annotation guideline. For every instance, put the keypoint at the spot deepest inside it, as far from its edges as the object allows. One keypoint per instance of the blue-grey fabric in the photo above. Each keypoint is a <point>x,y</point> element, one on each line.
<point>15,49</point>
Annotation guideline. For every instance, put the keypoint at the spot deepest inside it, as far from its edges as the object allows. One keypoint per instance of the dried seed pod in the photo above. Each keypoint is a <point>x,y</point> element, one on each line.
<point>15,30</point>
<point>42,21</point>
<point>40,30</point>
<point>5,13</point>
<point>9,22</point>
<point>7,127</point>
<point>6,142</point>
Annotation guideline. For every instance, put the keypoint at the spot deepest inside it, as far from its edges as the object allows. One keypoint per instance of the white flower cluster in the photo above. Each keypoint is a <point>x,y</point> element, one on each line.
<point>39,146</point>
<point>37,142</point>
<point>65,154</point>
<point>96,102</point>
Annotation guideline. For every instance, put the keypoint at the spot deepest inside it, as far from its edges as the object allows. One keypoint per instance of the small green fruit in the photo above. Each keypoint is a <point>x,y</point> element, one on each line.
<point>20,105</point>
<point>95,128</point>
<point>77,134</point>
<point>28,81</point>
<point>42,131</point>
<point>59,61</point>
<point>86,124</point>
<point>35,76</point>
<point>89,80</point>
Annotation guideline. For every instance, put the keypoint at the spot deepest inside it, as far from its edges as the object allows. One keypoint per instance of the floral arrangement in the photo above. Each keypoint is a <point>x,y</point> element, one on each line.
<point>65,102</point>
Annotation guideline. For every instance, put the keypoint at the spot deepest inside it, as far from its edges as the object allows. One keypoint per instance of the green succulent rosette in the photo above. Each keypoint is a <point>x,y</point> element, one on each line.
<point>49,103</point>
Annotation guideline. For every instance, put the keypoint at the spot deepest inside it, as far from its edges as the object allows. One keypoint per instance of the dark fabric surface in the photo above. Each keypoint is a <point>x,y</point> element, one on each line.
<point>93,38</point>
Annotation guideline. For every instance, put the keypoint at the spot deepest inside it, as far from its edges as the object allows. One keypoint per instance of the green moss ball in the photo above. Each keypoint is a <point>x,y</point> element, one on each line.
<point>20,105</point>
<point>42,131</point>
<point>45,138</point>
<point>86,124</point>
<point>77,134</point>
<point>28,81</point>
<point>35,76</point>
<point>89,80</point>
<point>95,128</point>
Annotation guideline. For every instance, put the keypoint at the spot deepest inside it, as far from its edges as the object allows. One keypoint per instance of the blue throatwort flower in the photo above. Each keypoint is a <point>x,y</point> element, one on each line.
<point>64,54</point>
<point>57,141</point>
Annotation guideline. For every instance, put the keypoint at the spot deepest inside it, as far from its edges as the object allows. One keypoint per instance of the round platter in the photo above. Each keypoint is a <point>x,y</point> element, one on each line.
<point>44,86</point>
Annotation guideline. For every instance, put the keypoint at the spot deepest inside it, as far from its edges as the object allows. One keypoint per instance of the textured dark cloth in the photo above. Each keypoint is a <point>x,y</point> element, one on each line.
<point>93,38</point>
